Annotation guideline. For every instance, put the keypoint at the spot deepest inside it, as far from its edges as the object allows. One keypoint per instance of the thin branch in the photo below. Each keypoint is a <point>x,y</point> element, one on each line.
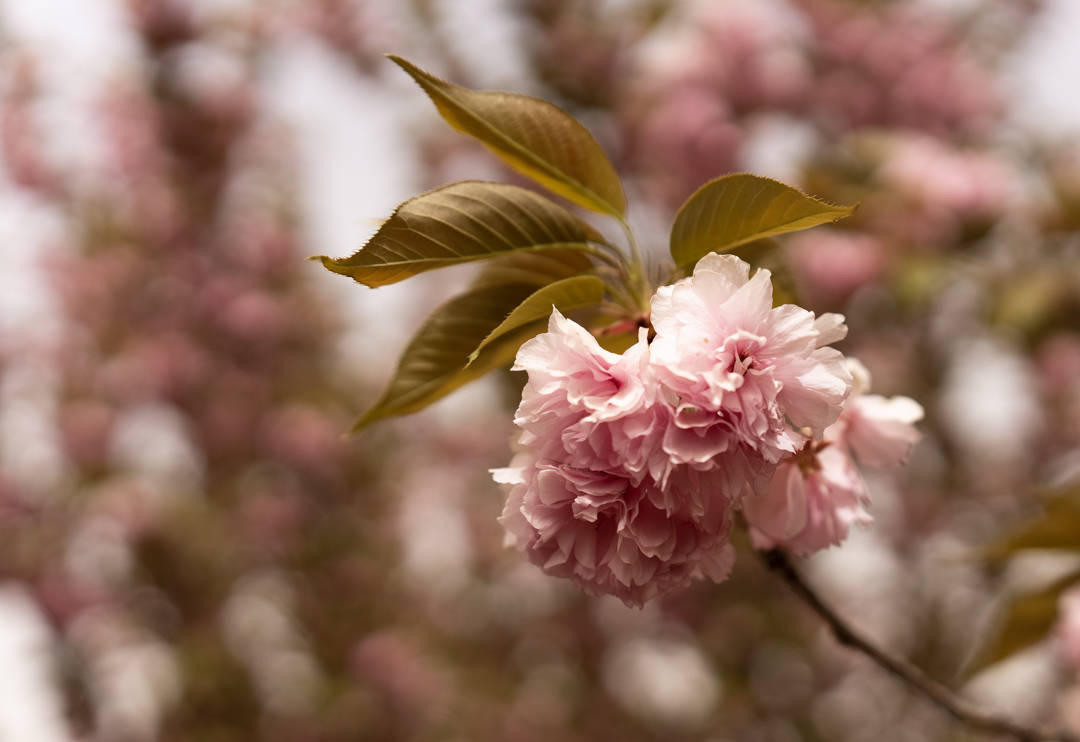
<point>941,696</point>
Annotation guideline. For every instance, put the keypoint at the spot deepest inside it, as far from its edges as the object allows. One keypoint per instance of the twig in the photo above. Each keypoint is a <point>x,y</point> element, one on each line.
<point>938,694</point>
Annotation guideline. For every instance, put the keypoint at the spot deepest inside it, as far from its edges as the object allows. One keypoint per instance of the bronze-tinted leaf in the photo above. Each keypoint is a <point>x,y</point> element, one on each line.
<point>1027,621</point>
<point>538,267</point>
<point>576,292</point>
<point>532,136</point>
<point>462,222</point>
<point>737,209</point>
<point>434,363</point>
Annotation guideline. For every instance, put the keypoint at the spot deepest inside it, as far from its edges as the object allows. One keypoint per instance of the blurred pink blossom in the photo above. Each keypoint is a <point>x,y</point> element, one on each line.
<point>304,436</point>
<point>85,426</point>
<point>22,149</point>
<point>895,66</point>
<point>256,317</point>
<point>750,54</point>
<point>406,677</point>
<point>1068,626</point>
<point>1058,360</point>
<point>131,127</point>
<point>971,186</point>
<point>689,136</point>
<point>830,265</point>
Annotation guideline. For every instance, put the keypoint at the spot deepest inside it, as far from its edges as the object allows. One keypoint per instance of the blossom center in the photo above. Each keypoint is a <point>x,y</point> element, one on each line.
<point>807,458</point>
<point>739,351</point>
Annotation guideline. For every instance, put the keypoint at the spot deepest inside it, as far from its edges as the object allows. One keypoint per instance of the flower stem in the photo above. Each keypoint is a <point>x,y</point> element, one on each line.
<point>941,696</point>
<point>613,260</point>
<point>638,284</point>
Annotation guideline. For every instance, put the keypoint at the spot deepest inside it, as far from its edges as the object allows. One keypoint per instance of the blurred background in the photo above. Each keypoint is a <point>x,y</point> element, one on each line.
<point>189,549</point>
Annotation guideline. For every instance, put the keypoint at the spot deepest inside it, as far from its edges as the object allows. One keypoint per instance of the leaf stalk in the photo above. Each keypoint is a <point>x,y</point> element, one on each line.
<point>637,282</point>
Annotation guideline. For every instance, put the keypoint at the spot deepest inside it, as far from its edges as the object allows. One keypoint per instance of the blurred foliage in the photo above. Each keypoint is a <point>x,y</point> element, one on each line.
<point>1057,527</point>
<point>1027,620</point>
<point>217,563</point>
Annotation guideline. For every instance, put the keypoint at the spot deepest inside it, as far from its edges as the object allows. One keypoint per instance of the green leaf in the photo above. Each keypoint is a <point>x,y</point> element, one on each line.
<point>1026,622</point>
<point>1058,528</point>
<point>570,293</point>
<point>434,363</point>
<point>532,136</point>
<point>736,209</point>
<point>458,223</point>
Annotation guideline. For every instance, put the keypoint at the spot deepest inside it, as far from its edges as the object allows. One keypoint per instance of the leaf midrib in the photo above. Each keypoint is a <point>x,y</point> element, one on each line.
<point>583,246</point>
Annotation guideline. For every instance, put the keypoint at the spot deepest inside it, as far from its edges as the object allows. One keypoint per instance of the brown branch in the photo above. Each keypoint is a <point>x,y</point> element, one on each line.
<point>941,696</point>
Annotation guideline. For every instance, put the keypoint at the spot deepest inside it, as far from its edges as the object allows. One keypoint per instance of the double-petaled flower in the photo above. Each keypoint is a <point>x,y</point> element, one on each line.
<point>632,466</point>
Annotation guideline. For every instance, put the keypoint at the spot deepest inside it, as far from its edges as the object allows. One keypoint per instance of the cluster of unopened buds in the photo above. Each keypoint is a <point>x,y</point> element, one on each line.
<point>631,468</point>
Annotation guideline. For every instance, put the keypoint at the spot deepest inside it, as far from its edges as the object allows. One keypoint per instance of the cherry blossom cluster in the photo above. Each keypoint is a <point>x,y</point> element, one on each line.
<point>631,467</point>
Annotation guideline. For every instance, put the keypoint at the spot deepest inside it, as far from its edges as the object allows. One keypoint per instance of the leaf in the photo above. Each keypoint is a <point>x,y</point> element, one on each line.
<point>458,223</point>
<point>532,136</point>
<point>433,364</point>
<point>1058,528</point>
<point>737,209</point>
<point>570,293</point>
<point>539,267</point>
<point>1027,621</point>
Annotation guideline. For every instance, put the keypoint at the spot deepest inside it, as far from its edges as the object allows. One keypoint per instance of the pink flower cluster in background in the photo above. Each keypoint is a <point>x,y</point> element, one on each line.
<point>631,467</point>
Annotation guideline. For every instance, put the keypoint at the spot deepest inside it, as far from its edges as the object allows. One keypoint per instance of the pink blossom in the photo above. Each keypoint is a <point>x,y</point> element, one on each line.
<point>593,496</point>
<point>590,408</point>
<point>739,369</point>
<point>816,495</point>
<point>610,536</point>
<point>811,502</point>
<point>631,466</point>
<point>879,431</point>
